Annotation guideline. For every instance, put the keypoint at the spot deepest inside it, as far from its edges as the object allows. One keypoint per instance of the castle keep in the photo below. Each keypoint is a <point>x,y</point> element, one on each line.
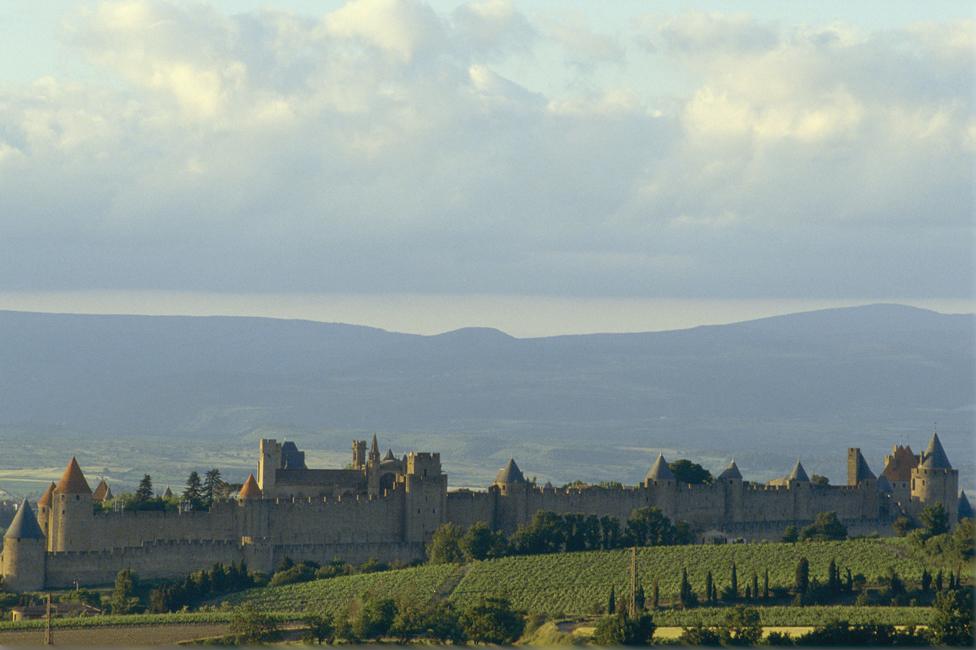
<point>387,508</point>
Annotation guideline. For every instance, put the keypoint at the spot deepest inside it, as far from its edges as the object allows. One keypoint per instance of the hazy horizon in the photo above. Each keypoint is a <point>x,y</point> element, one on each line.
<point>519,316</point>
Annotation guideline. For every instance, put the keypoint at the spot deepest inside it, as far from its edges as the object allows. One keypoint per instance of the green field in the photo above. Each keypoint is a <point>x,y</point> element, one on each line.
<point>418,584</point>
<point>575,584</point>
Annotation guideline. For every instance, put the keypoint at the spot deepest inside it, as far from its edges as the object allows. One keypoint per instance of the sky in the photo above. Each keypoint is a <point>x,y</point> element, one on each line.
<point>544,167</point>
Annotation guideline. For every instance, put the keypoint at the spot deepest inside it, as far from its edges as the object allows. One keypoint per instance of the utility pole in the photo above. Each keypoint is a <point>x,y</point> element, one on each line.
<point>48,630</point>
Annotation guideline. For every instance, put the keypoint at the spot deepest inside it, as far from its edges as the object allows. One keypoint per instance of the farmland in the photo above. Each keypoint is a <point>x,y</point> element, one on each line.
<point>577,584</point>
<point>332,594</point>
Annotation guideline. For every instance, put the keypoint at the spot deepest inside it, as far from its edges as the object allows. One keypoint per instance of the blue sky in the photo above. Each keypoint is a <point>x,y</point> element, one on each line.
<point>554,153</point>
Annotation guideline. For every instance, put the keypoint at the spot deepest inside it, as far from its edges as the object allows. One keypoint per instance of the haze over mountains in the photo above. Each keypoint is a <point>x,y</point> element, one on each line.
<point>820,381</point>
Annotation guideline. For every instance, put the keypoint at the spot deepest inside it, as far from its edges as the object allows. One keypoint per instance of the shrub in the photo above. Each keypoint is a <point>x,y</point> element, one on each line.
<point>620,629</point>
<point>492,621</point>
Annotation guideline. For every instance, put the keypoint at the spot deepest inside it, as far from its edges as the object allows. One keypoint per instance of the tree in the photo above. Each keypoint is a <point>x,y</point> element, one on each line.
<point>935,520</point>
<point>123,595</point>
<point>765,593</point>
<point>252,625</point>
<point>612,601</point>
<point>492,620</point>
<point>742,626</point>
<point>445,547</point>
<point>825,527</point>
<point>817,479</point>
<point>436,621</point>
<point>801,582</point>
<point>656,595</point>
<point>639,598</point>
<point>650,527</point>
<point>833,577</point>
<point>791,534</point>
<point>755,586</point>
<point>623,630</point>
<point>709,586</point>
<point>213,486</point>
<point>320,628</point>
<point>480,542</point>
<point>145,490</point>
<point>688,472</point>
<point>952,623</point>
<point>734,583</point>
<point>903,525</point>
<point>193,493</point>
<point>698,636</point>
<point>374,618</point>
<point>686,596</point>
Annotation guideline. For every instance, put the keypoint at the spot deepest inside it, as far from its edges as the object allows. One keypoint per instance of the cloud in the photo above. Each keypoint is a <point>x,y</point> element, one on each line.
<point>384,147</point>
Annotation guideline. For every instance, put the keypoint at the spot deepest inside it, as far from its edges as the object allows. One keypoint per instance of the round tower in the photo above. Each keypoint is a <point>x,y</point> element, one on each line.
<point>24,552</point>
<point>935,481</point>
<point>44,510</point>
<point>662,486</point>
<point>73,510</point>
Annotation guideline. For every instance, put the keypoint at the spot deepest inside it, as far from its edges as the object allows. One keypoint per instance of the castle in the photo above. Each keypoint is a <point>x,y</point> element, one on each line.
<point>388,508</point>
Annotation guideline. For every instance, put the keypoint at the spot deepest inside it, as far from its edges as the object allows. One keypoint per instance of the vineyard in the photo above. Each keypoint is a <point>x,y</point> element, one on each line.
<point>801,616</point>
<point>418,584</point>
<point>579,583</point>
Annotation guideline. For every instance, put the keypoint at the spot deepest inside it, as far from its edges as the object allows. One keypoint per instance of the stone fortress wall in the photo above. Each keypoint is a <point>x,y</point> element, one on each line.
<point>388,509</point>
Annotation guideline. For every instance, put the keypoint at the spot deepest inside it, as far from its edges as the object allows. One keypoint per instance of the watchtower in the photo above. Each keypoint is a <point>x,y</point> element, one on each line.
<point>269,462</point>
<point>425,496</point>
<point>73,510</point>
<point>935,481</point>
<point>24,552</point>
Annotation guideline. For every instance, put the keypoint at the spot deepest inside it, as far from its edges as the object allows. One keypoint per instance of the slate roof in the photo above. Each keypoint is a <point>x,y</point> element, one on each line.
<point>102,491</point>
<point>862,471</point>
<point>884,485</point>
<point>659,470</point>
<point>24,524</point>
<point>965,509</point>
<point>510,473</point>
<point>731,472</point>
<point>389,455</point>
<point>73,480</point>
<point>935,456</point>
<point>798,473</point>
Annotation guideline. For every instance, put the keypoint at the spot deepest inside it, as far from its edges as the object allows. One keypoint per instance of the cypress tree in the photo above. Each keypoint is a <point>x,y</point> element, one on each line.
<point>833,577</point>
<point>938,580</point>
<point>735,583</point>
<point>612,602</point>
<point>766,585</point>
<point>926,581</point>
<point>801,582</point>
<point>748,592</point>
<point>639,599</point>
<point>709,586</point>
<point>755,585</point>
<point>849,587</point>
<point>656,597</point>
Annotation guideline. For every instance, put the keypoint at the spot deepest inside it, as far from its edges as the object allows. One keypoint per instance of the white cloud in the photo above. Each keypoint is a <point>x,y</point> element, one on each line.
<point>381,147</point>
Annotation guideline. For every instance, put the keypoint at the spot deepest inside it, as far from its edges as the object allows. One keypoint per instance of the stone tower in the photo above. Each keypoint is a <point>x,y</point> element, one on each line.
<point>373,468</point>
<point>24,552</point>
<point>44,511</point>
<point>73,510</point>
<point>359,454</point>
<point>268,463</point>
<point>425,496</point>
<point>663,485</point>
<point>935,481</point>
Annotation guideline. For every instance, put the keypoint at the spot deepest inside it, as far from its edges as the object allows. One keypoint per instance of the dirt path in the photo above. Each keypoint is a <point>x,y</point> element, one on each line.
<point>448,586</point>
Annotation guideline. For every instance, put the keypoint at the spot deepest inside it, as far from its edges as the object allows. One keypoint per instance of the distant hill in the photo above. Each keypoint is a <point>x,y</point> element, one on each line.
<point>221,376</point>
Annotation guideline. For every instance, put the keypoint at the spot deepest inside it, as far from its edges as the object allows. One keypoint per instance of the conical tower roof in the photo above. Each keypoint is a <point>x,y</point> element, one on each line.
<point>168,493</point>
<point>73,480</point>
<point>965,509</point>
<point>250,490</point>
<point>374,447</point>
<point>861,470</point>
<point>389,455</point>
<point>884,485</point>
<point>731,472</point>
<point>102,491</point>
<point>509,474</point>
<point>798,473</point>
<point>935,456</point>
<point>659,470</point>
<point>45,499</point>
<point>24,524</point>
